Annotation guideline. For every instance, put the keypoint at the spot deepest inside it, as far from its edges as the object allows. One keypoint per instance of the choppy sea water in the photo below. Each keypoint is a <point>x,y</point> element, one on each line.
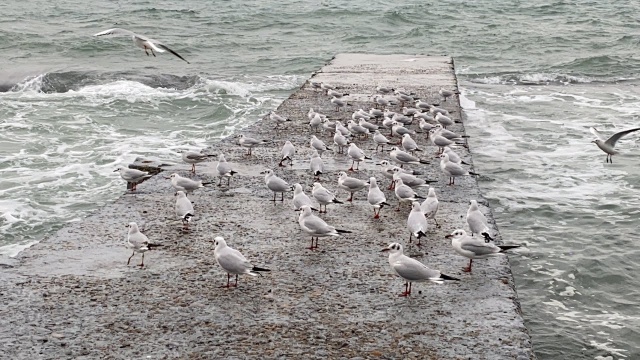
<point>534,76</point>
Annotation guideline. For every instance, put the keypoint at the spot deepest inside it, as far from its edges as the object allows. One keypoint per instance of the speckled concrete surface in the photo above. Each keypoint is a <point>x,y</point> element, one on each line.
<point>73,297</point>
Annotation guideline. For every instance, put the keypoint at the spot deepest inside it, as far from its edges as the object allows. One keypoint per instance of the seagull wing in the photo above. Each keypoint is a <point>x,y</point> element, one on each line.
<point>164,47</point>
<point>595,132</point>
<point>119,31</point>
<point>615,137</point>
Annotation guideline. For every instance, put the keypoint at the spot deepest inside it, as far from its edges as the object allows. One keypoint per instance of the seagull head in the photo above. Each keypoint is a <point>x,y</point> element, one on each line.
<point>219,242</point>
<point>297,188</point>
<point>267,172</point>
<point>393,248</point>
<point>118,169</point>
<point>457,234</point>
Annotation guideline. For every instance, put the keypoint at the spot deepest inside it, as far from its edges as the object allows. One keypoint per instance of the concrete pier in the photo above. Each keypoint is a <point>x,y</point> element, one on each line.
<point>73,296</point>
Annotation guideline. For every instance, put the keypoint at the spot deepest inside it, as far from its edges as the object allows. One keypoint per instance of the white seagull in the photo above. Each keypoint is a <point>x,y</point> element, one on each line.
<point>142,42</point>
<point>233,262</point>
<point>474,247</point>
<point>609,144</point>
<point>412,270</point>
<point>477,221</point>
<point>184,209</point>
<point>316,227</point>
<point>132,176</point>
<point>138,242</point>
<point>376,197</point>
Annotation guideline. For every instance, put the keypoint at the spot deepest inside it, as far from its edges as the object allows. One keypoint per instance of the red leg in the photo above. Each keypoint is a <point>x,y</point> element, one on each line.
<point>350,198</point>
<point>236,284</point>
<point>351,168</point>
<point>407,291</point>
<point>468,268</point>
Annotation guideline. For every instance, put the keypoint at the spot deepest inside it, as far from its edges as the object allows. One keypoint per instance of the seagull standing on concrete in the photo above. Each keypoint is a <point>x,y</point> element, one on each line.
<point>224,169</point>
<point>350,184</point>
<point>233,262</point>
<point>430,206</point>
<point>376,197</point>
<point>323,196</point>
<point>417,223</point>
<point>609,144</point>
<point>300,198</point>
<point>452,170</point>
<point>477,221</point>
<point>193,158</point>
<point>356,156</point>
<point>142,42</point>
<point>184,209</point>
<point>138,242</point>
<point>405,194</point>
<point>249,143</point>
<point>288,151</point>
<point>475,248</point>
<point>185,184</point>
<point>132,176</point>
<point>318,145</point>
<point>316,164</point>
<point>412,270</point>
<point>316,227</point>
<point>276,184</point>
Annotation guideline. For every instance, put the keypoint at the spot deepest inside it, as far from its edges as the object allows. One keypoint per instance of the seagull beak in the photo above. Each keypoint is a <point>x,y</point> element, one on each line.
<point>116,170</point>
<point>385,249</point>
<point>448,236</point>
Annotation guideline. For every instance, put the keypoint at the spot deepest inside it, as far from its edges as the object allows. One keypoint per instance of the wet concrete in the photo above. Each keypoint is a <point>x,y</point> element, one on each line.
<point>73,296</point>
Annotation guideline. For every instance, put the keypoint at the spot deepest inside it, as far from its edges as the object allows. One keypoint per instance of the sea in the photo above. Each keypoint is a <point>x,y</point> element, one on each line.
<point>534,76</point>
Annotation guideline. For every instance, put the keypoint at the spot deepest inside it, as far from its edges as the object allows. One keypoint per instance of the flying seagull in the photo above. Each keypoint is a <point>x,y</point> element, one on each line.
<point>142,42</point>
<point>608,144</point>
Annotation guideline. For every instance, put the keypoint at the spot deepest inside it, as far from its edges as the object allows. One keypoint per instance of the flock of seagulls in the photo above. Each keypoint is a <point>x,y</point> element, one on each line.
<point>406,134</point>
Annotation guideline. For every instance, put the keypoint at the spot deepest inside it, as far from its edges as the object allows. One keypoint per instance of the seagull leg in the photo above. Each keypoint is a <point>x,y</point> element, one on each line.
<point>406,290</point>
<point>274,197</point>
<point>351,168</point>
<point>281,196</point>
<point>142,262</point>
<point>154,54</point>
<point>146,52</point>
<point>128,261</point>
<point>410,237</point>
<point>226,286</point>
<point>228,180</point>
<point>236,284</point>
<point>468,268</point>
<point>350,199</point>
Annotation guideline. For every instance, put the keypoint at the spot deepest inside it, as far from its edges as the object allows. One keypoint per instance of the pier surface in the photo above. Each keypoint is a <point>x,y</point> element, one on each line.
<point>73,296</point>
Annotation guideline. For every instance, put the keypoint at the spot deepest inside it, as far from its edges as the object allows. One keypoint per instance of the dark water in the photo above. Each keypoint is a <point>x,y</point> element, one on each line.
<point>535,77</point>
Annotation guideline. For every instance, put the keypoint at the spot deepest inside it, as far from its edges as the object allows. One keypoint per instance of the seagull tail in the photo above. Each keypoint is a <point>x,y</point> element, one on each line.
<point>420,234</point>
<point>423,161</point>
<point>343,231</point>
<point>256,270</point>
<point>187,217</point>
<point>233,172</point>
<point>487,237</point>
<point>367,157</point>
<point>464,163</point>
<point>383,203</point>
<point>447,277</point>
<point>504,248</point>
<point>317,173</point>
<point>336,201</point>
<point>207,183</point>
<point>152,246</point>
<point>472,173</point>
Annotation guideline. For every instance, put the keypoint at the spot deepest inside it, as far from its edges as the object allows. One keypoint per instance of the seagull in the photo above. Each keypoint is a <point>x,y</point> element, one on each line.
<point>453,156</point>
<point>357,129</point>
<point>249,143</point>
<point>323,196</point>
<point>474,247</point>
<point>367,125</point>
<point>380,140</point>
<point>184,209</point>
<point>350,184</point>
<point>390,170</point>
<point>384,90</point>
<point>132,176</point>
<point>233,262</point>
<point>338,103</point>
<point>412,270</point>
<point>356,156</point>
<point>453,170</point>
<point>142,42</point>
<point>287,153</point>
<point>402,157</point>
<point>316,227</point>
<point>477,221</point>
<point>438,140</point>
<point>608,145</point>
<point>409,144</point>
<point>185,184</point>
<point>191,157</point>
<point>279,119</point>
<point>444,120</point>
<point>336,94</point>
<point>405,193</point>
<point>319,145</point>
<point>343,130</point>
<point>315,122</point>
<point>447,93</point>
<point>276,184</point>
<point>224,169</point>
<point>417,222</point>
<point>399,129</point>
<point>138,242</point>
<point>430,206</point>
<point>341,141</point>
<point>376,197</point>
<point>316,164</point>
<point>410,180</point>
<point>300,198</point>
